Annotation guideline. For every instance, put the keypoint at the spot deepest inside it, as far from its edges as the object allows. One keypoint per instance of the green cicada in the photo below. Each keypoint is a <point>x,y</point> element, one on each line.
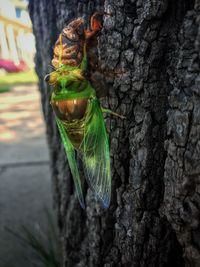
<point>79,116</point>
<point>82,128</point>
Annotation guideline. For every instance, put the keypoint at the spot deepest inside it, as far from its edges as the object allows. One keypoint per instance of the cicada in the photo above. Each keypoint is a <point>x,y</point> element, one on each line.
<point>79,117</point>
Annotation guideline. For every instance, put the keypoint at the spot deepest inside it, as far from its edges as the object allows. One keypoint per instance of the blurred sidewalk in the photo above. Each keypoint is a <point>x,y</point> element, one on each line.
<point>25,186</point>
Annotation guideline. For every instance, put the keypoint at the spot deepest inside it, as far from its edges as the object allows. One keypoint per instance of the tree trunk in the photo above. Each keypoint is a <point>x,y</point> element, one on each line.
<point>153,219</point>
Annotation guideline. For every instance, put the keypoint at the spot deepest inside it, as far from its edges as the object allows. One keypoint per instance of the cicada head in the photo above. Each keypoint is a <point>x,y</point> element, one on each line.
<point>74,31</point>
<point>58,81</point>
<point>65,79</point>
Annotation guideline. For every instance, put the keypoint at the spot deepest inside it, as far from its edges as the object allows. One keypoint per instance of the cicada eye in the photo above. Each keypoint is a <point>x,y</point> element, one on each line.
<point>47,78</point>
<point>51,78</point>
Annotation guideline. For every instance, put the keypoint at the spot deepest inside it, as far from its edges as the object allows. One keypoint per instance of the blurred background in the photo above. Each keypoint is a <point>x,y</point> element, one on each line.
<point>25,189</point>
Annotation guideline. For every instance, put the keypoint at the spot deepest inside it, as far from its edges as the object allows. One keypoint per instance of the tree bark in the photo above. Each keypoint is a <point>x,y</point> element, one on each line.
<point>153,219</point>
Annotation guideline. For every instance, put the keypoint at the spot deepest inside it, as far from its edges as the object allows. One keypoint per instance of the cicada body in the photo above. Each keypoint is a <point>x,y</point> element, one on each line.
<point>82,128</point>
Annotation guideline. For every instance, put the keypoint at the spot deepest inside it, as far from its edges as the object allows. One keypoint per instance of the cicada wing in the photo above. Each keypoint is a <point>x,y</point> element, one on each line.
<point>96,156</point>
<point>70,152</point>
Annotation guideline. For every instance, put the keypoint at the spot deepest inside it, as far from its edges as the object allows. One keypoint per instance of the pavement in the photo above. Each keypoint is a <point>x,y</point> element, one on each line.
<point>25,185</point>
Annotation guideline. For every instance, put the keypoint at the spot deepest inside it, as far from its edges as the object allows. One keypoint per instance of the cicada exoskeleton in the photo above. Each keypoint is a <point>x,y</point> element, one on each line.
<point>68,48</point>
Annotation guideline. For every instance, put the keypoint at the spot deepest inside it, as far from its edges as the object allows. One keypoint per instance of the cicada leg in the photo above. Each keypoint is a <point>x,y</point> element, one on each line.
<point>113,113</point>
<point>95,24</point>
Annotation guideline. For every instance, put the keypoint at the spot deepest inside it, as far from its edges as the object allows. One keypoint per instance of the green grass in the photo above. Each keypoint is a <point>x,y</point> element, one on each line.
<point>4,88</point>
<point>9,80</point>
<point>44,244</point>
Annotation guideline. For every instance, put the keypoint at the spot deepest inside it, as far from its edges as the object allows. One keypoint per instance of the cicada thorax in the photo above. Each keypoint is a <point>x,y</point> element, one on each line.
<point>70,110</point>
<point>72,114</point>
<point>68,48</point>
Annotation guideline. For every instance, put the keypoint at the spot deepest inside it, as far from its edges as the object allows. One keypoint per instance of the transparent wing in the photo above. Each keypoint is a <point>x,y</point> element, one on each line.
<point>96,156</point>
<point>70,152</point>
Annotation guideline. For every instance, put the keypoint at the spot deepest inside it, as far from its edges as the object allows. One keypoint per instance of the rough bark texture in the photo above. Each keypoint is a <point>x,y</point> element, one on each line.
<point>154,215</point>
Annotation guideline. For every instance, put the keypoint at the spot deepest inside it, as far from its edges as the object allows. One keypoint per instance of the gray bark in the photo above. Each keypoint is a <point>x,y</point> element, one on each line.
<point>153,219</point>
